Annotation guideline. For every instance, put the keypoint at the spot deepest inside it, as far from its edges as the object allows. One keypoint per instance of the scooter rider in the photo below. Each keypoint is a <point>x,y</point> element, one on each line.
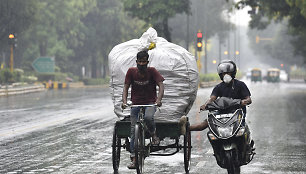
<point>229,87</point>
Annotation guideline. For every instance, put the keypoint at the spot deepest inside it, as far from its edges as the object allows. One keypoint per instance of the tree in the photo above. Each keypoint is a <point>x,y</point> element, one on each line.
<point>278,47</point>
<point>156,13</point>
<point>263,12</point>
<point>205,15</point>
<point>15,17</point>
<point>57,31</point>
<point>106,26</point>
<point>75,32</point>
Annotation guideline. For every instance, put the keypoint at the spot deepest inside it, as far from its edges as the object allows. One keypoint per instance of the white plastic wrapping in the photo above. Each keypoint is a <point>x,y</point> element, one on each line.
<point>175,64</point>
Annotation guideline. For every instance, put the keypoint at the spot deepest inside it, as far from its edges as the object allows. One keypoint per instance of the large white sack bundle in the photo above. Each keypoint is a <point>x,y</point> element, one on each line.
<point>175,64</point>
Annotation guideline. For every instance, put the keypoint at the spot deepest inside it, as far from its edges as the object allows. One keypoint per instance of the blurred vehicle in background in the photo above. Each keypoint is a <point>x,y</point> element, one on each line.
<point>273,75</point>
<point>283,76</point>
<point>256,75</point>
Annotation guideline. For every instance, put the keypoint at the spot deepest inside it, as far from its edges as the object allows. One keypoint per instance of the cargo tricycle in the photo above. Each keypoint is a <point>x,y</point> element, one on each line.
<point>144,148</point>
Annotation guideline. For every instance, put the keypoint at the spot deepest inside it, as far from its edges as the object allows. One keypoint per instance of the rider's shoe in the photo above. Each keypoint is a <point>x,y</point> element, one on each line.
<point>155,140</point>
<point>132,165</point>
<point>182,123</point>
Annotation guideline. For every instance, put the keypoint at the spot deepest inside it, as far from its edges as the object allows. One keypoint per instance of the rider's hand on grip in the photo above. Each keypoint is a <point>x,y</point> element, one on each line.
<point>158,103</point>
<point>244,102</point>
<point>124,105</point>
<point>202,108</point>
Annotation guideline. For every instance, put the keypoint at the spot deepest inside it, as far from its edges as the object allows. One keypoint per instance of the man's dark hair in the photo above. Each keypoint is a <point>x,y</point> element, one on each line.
<point>143,54</point>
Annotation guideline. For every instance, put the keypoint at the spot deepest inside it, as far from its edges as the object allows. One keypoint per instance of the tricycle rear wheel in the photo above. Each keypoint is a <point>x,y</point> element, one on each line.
<point>187,148</point>
<point>116,148</point>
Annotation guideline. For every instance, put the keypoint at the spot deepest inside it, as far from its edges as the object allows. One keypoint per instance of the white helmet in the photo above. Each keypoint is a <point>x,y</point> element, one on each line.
<point>227,66</point>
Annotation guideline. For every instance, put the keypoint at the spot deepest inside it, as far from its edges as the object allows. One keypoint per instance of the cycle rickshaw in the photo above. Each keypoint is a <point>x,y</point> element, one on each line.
<point>165,129</point>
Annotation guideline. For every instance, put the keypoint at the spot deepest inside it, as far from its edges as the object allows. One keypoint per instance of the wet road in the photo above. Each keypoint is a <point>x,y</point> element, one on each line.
<point>70,131</point>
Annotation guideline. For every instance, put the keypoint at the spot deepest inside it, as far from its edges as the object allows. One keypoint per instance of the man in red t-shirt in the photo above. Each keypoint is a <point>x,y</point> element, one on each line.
<point>143,80</point>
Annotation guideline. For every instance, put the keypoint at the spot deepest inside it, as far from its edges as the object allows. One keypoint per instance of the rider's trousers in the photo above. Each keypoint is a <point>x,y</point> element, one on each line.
<point>149,122</point>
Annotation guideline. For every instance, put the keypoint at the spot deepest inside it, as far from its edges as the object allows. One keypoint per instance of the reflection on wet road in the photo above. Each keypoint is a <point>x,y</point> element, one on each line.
<point>70,131</point>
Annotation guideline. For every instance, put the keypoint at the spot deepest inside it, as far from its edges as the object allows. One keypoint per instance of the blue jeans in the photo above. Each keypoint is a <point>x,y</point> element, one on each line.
<point>148,119</point>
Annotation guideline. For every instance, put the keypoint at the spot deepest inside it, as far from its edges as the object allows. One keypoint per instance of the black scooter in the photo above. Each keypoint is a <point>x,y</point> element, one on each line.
<point>229,135</point>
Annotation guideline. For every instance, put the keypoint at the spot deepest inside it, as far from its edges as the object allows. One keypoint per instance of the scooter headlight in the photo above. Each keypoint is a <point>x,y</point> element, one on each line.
<point>225,131</point>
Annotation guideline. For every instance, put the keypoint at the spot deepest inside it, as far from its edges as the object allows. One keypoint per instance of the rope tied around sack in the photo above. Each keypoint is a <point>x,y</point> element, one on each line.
<point>152,46</point>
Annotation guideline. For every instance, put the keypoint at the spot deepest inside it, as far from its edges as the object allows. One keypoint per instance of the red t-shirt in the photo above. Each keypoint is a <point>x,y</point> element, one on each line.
<point>143,89</point>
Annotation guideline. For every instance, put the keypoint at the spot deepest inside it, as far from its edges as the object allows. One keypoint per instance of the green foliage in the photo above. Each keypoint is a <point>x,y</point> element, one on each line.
<point>6,76</point>
<point>80,33</point>
<point>45,76</point>
<point>209,77</point>
<point>97,81</point>
<point>29,79</point>
<point>157,12</point>
<point>16,16</point>
<point>279,47</point>
<point>72,77</point>
<point>294,11</point>
<point>215,77</point>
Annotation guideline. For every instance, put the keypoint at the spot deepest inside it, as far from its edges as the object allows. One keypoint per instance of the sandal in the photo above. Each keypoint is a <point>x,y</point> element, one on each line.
<point>132,165</point>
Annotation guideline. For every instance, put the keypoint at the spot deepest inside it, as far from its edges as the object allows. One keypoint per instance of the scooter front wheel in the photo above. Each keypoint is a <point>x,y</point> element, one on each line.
<point>231,167</point>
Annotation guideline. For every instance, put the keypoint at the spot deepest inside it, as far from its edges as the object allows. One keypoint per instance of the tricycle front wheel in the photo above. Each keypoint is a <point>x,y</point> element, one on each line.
<point>139,144</point>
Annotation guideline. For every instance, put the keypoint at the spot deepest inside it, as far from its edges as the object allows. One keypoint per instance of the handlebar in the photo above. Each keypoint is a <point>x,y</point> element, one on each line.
<point>133,106</point>
<point>151,105</point>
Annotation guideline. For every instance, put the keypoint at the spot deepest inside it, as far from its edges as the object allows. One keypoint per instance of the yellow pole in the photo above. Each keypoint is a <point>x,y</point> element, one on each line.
<point>199,64</point>
<point>199,61</point>
<point>12,58</point>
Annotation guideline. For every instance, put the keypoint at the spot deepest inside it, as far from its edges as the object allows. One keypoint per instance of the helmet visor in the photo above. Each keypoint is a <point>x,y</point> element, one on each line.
<point>225,68</point>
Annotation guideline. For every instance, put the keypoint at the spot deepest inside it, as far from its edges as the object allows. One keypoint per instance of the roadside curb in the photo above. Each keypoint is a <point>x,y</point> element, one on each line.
<point>21,90</point>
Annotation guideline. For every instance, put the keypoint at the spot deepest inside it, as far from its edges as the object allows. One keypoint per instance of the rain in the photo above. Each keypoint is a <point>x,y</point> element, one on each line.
<point>60,99</point>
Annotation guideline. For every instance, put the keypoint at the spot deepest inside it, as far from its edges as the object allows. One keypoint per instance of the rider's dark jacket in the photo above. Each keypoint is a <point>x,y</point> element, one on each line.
<point>235,89</point>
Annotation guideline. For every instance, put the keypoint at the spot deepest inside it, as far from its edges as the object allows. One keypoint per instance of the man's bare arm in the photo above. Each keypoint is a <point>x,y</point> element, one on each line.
<point>210,100</point>
<point>125,94</point>
<point>160,93</point>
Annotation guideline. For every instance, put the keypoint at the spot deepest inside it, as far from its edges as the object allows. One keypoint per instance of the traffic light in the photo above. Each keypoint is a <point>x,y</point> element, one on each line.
<point>199,41</point>
<point>12,40</point>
